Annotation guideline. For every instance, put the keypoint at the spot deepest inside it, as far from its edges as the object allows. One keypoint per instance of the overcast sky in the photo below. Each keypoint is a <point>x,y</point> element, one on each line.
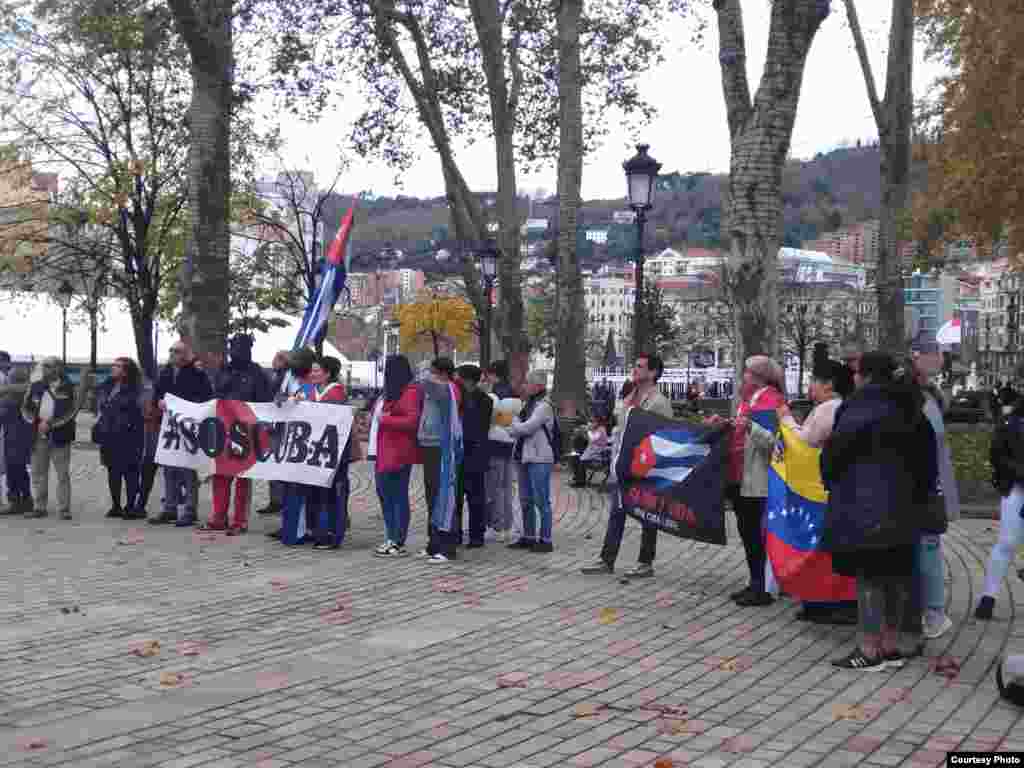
<point>688,134</point>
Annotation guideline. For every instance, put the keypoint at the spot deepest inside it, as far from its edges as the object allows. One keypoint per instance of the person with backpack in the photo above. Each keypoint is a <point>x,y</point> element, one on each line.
<point>646,396</point>
<point>535,453</point>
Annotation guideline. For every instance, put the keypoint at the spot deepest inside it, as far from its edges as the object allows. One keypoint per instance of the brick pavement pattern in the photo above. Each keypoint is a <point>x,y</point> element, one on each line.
<point>274,657</point>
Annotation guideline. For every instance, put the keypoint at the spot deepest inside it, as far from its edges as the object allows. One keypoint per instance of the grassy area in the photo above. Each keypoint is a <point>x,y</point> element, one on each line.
<point>969,450</point>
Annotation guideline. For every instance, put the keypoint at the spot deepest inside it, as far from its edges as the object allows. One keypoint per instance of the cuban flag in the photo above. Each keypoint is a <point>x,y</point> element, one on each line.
<point>672,475</point>
<point>795,515</point>
<point>442,516</point>
<point>332,284</point>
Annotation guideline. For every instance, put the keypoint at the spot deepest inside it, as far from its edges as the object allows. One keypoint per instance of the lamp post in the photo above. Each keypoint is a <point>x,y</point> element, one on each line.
<point>63,299</point>
<point>641,173</point>
<point>488,258</point>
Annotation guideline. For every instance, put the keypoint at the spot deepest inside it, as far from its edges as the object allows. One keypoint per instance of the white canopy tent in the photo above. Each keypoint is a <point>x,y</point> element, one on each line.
<point>30,329</point>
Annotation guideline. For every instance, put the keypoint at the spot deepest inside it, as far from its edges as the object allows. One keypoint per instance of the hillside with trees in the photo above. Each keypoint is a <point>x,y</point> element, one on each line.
<point>829,191</point>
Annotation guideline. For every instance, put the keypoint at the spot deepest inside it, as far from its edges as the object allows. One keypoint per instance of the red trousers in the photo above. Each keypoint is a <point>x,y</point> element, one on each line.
<point>222,500</point>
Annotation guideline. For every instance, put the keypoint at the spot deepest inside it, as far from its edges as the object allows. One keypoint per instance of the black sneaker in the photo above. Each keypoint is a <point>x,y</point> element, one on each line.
<point>860,662</point>
<point>754,600</point>
<point>984,609</point>
<point>523,544</point>
<point>740,593</point>
<point>543,547</point>
<point>164,519</point>
<point>475,545</point>
<point>115,512</point>
<point>597,568</point>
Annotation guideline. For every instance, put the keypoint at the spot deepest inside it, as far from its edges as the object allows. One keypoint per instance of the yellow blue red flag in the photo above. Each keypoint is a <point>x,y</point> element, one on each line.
<point>795,517</point>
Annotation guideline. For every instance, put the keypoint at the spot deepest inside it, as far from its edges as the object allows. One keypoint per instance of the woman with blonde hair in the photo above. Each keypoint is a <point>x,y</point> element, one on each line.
<point>761,394</point>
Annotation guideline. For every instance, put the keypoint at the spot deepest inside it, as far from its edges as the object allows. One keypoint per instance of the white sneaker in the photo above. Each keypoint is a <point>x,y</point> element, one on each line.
<point>383,548</point>
<point>501,537</point>
<point>438,559</point>
<point>936,625</point>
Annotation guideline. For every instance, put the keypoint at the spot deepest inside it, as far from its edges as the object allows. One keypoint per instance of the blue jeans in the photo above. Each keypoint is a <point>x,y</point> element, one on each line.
<point>931,574</point>
<point>535,498</point>
<point>393,492</point>
<point>180,490</point>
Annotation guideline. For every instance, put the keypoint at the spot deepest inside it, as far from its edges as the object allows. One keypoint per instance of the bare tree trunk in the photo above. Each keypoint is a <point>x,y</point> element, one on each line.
<point>570,363</point>
<point>760,133</point>
<point>504,95</point>
<point>206,29</point>
<point>893,118</point>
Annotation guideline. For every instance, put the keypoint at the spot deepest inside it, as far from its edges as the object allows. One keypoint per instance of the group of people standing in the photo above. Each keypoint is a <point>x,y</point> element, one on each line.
<point>445,422</point>
<point>891,490</point>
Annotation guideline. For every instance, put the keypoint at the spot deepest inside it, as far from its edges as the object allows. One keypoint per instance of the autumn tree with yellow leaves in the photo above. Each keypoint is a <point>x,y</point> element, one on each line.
<point>975,139</point>
<point>430,320</point>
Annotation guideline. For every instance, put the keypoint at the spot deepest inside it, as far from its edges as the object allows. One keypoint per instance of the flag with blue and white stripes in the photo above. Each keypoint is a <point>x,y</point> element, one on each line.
<point>332,284</point>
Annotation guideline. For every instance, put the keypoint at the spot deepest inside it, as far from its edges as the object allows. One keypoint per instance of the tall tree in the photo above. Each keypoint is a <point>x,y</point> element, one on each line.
<point>894,119</point>
<point>97,92</point>
<point>974,145</point>
<point>207,30</point>
<point>570,316</point>
<point>433,321</point>
<point>760,131</point>
<point>661,331</point>
<point>459,70</point>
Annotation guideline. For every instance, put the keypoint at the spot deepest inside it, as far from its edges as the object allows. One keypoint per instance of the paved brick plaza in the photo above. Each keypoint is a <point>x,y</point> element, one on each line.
<point>274,657</point>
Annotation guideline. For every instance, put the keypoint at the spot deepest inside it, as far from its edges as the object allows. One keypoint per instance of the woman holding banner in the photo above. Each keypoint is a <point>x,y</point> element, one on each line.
<point>327,508</point>
<point>762,393</point>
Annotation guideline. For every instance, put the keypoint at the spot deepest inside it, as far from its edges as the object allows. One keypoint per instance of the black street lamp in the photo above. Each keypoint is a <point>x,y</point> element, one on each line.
<point>63,299</point>
<point>488,258</point>
<point>641,173</point>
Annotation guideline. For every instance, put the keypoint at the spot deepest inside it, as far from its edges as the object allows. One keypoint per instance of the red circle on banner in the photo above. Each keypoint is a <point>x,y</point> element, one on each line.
<point>229,413</point>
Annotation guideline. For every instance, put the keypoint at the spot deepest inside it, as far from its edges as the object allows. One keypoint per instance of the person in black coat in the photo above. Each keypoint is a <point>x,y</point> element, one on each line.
<point>477,409</point>
<point>119,432</point>
<point>880,468</point>
<point>182,379</point>
<point>241,379</point>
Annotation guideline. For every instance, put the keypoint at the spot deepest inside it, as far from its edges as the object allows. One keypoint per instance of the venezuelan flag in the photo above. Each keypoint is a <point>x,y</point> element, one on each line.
<point>795,516</point>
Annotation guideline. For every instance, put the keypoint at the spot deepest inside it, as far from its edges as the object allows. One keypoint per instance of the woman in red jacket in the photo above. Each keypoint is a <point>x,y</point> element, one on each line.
<point>397,421</point>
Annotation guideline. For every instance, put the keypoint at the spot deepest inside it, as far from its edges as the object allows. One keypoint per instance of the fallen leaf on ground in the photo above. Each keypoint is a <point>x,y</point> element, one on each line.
<point>586,710</point>
<point>669,710</point>
<point>947,667</point>
<point>853,712</point>
<point>729,665</point>
<point>672,727</point>
<point>191,647</point>
<point>513,680</point>
<point>172,679</point>
<point>449,585</point>
<point>147,648</point>
<point>663,762</point>
<point>33,743</point>
<point>279,585</point>
<point>607,616</point>
<point>472,599</point>
<point>269,680</point>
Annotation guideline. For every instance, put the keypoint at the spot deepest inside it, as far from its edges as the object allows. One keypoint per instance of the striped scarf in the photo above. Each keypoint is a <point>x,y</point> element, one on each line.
<point>443,515</point>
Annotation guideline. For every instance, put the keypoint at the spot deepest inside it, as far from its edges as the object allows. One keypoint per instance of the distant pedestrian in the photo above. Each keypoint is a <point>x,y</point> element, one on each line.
<point>440,440</point>
<point>1007,458</point>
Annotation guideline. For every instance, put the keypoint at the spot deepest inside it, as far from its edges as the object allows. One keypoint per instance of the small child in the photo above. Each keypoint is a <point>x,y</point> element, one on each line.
<point>17,446</point>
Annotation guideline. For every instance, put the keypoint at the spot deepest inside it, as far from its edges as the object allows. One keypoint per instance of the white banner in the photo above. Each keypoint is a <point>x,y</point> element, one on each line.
<point>299,442</point>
